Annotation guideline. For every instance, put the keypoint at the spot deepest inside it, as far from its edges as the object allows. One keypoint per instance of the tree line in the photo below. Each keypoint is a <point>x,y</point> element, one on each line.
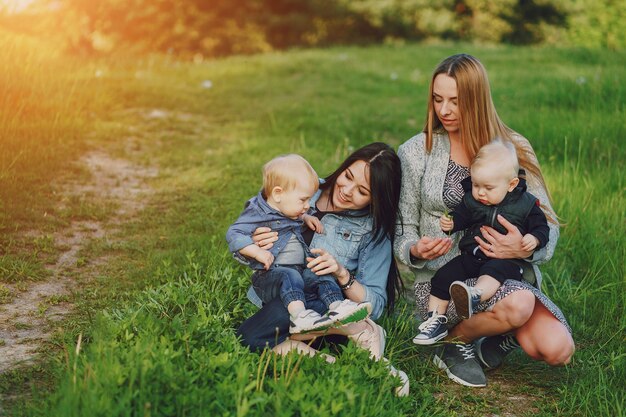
<point>224,27</point>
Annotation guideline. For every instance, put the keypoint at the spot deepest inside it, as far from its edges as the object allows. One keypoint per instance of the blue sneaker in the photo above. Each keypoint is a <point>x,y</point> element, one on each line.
<point>432,330</point>
<point>465,298</point>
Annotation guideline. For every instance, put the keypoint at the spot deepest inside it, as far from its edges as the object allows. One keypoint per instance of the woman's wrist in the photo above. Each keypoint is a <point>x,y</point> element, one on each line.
<point>413,253</point>
<point>343,277</point>
<point>348,284</point>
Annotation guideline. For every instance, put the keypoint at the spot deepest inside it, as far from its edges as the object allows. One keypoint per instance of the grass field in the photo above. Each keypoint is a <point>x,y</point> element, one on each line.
<point>157,325</point>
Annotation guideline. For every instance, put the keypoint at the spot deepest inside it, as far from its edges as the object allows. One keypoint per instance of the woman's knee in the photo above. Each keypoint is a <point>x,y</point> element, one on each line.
<point>516,308</point>
<point>545,338</point>
<point>558,352</point>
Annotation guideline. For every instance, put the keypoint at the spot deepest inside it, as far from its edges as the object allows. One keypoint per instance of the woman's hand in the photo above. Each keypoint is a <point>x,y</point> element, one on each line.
<point>499,246</point>
<point>430,248</point>
<point>325,264</point>
<point>264,237</point>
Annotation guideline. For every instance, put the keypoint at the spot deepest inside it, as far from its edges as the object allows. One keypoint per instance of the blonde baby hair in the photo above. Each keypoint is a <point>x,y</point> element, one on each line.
<point>286,171</point>
<point>501,154</point>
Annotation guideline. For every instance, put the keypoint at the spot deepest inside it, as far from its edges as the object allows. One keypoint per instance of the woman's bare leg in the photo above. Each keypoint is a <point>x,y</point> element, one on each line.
<point>543,337</point>
<point>508,314</point>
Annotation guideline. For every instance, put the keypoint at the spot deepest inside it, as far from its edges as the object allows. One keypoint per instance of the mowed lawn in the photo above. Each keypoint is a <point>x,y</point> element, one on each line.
<point>157,327</point>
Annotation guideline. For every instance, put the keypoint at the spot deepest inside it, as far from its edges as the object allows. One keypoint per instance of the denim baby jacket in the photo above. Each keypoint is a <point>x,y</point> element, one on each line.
<point>257,213</point>
<point>348,236</point>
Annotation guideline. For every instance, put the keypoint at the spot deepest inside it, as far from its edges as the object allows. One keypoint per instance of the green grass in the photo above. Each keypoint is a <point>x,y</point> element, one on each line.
<point>157,326</point>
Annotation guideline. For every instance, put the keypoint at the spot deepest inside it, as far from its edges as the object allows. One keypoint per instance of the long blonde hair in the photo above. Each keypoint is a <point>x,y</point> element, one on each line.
<point>478,119</point>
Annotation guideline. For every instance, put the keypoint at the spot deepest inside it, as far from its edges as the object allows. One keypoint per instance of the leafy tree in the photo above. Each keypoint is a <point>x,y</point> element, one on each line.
<point>527,18</point>
<point>223,27</point>
<point>596,23</point>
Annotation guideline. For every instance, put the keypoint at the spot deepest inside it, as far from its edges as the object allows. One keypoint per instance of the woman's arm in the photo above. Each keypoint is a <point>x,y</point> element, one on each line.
<point>325,263</point>
<point>372,274</point>
<point>412,159</point>
<point>370,285</point>
<point>410,247</point>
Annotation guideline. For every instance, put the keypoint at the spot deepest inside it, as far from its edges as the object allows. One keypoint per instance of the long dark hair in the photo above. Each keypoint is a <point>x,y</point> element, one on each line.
<point>385,175</point>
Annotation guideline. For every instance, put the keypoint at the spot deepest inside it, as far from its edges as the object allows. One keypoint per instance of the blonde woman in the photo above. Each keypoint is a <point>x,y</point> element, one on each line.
<point>461,118</point>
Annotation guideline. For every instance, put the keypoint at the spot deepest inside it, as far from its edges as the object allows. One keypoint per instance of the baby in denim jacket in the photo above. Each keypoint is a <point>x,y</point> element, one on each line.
<point>289,182</point>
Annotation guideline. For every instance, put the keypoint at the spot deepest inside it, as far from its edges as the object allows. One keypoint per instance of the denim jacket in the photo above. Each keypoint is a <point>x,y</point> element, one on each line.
<point>257,213</point>
<point>348,237</point>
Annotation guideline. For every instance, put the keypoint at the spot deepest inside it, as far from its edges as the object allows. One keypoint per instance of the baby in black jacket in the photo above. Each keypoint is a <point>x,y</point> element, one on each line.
<point>496,187</point>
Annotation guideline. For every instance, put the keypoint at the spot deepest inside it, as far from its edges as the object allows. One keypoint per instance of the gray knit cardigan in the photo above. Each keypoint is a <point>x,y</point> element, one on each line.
<point>421,205</point>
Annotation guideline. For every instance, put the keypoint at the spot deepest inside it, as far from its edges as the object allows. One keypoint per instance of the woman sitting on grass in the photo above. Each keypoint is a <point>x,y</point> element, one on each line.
<point>461,119</point>
<point>357,206</point>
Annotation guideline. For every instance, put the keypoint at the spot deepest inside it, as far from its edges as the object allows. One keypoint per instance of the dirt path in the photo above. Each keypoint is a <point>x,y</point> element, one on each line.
<point>29,319</point>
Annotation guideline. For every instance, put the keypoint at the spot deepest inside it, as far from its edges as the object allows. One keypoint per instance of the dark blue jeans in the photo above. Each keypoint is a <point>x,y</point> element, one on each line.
<point>290,282</point>
<point>270,325</point>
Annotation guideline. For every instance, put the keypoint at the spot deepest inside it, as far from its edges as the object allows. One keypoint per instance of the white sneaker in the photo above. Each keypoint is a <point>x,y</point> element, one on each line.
<point>308,320</point>
<point>401,390</point>
<point>349,312</point>
<point>371,339</point>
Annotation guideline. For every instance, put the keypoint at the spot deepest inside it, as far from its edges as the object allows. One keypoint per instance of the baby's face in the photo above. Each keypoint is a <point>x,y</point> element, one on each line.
<point>490,185</point>
<point>294,203</point>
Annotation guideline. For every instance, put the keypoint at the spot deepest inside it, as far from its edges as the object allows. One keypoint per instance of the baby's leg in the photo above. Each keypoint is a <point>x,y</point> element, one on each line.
<point>340,310</point>
<point>295,307</point>
<point>440,284</point>
<point>327,288</point>
<point>488,286</point>
<point>291,288</point>
<point>437,304</point>
<point>494,273</point>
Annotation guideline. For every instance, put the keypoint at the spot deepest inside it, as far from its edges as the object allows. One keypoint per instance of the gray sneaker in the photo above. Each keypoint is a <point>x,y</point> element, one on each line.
<point>460,363</point>
<point>492,350</point>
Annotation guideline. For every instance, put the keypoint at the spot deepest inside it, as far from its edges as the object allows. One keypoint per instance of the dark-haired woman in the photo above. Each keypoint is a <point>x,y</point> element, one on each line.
<point>357,205</point>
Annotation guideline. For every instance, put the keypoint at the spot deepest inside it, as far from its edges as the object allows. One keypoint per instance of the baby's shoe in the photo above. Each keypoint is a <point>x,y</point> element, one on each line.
<point>347,311</point>
<point>465,298</point>
<point>307,321</point>
<point>432,330</point>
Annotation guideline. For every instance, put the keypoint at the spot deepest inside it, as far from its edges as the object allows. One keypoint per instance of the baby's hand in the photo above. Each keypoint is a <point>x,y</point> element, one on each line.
<point>529,242</point>
<point>265,257</point>
<point>313,223</point>
<point>446,223</point>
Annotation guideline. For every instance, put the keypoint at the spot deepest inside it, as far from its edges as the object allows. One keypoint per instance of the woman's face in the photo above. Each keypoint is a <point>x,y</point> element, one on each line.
<point>352,188</point>
<point>445,100</point>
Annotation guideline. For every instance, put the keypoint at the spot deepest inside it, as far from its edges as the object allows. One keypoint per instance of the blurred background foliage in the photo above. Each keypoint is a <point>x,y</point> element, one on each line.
<point>209,28</point>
